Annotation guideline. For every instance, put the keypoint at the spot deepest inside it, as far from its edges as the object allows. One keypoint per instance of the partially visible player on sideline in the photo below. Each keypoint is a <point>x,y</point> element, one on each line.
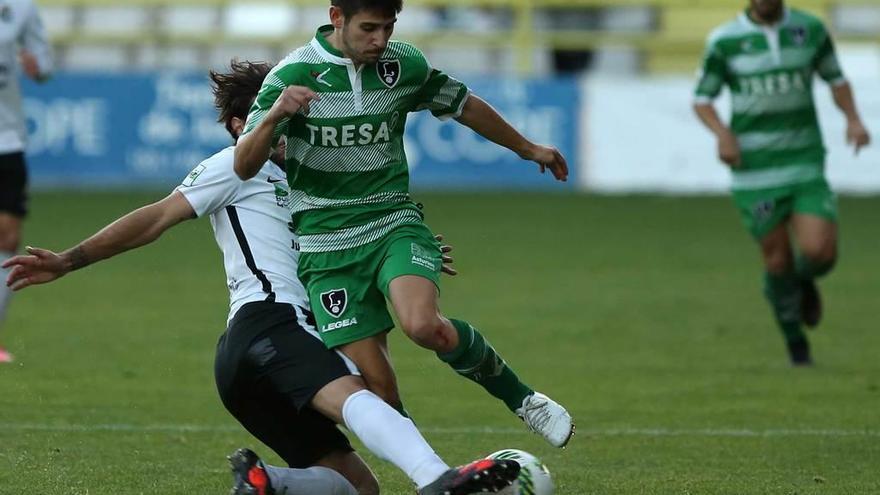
<point>22,43</point>
<point>768,57</point>
<point>272,371</point>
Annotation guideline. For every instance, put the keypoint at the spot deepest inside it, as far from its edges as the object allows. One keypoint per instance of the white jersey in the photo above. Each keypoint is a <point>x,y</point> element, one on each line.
<point>20,27</point>
<point>251,221</point>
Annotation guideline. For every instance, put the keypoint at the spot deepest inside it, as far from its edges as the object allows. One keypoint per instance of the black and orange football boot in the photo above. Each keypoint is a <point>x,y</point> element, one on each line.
<point>249,473</point>
<point>481,476</point>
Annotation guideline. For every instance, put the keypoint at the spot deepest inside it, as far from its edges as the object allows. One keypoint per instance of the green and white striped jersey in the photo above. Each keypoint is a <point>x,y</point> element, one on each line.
<point>346,165</point>
<point>769,70</point>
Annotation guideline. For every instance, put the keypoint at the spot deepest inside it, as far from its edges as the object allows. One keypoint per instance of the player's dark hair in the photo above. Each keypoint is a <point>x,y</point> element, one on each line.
<point>235,91</point>
<point>352,7</point>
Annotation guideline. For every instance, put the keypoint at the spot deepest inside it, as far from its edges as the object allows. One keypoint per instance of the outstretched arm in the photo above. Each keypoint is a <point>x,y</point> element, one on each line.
<point>133,230</point>
<point>487,122</point>
<point>856,134</point>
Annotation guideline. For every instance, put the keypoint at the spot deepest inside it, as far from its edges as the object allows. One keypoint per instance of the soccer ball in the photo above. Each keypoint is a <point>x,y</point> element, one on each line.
<point>534,477</point>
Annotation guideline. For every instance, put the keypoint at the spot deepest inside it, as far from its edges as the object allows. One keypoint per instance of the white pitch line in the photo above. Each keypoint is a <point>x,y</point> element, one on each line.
<point>610,432</point>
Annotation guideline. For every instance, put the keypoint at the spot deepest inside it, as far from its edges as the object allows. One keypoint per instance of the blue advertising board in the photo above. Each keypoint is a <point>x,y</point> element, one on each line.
<point>132,130</point>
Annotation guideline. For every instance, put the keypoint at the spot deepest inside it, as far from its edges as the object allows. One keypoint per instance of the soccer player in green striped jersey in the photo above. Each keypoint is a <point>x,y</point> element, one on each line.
<point>768,56</point>
<point>341,103</point>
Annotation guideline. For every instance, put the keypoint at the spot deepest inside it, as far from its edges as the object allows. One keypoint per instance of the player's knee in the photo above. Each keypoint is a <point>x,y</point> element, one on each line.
<point>778,261</point>
<point>820,253</point>
<point>427,331</point>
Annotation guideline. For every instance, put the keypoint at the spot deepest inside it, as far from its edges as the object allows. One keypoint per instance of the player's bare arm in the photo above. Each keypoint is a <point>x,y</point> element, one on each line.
<point>254,148</point>
<point>728,147</point>
<point>136,229</point>
<point>856,133</point>
<point>487,122</point>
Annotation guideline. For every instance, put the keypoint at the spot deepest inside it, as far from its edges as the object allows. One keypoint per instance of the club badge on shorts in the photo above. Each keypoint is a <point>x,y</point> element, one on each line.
<point>334,302</point>
<point>763,210</point>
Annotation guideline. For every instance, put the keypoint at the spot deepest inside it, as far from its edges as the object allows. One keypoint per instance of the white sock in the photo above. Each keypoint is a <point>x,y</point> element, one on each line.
<point>316,480</point>
<point>5,292</point>
<point>392,437</point>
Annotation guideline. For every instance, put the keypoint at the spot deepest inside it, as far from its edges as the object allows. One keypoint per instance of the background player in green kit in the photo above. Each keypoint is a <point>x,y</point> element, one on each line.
<point>767,57</point>
<point>341,101</point>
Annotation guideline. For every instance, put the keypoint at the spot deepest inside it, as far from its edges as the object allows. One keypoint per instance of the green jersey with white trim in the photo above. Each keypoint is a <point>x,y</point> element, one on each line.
<point>345,160</point>
<point>769,70</point>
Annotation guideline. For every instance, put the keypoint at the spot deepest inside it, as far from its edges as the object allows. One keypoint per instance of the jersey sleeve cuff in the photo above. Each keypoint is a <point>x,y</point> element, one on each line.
<point>457,113</point>
<point>197,208</point>
<point>703,99</point>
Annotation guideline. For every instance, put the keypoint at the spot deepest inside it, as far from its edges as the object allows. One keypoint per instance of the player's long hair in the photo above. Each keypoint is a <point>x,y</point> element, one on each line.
<point>235,91</point>
<point>352,7</point>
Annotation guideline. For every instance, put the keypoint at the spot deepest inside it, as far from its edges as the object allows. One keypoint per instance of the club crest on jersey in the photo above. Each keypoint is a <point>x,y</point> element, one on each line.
<point>798,35</point>
<point>334,302</point>
<point>388,72</point>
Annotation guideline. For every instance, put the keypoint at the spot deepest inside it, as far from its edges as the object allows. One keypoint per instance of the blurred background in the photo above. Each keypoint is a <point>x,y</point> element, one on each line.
<point>607,81</point>
<point>642,313</point>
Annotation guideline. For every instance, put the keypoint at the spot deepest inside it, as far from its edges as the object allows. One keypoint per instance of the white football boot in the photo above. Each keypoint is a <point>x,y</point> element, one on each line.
<point>547,418</point>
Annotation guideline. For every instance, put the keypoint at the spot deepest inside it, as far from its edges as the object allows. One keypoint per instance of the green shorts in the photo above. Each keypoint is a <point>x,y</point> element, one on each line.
<point>764,209</point>
<point>348,288</point>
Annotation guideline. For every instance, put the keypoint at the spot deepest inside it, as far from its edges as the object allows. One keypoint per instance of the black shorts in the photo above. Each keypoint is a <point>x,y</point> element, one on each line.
<point>268,368</point>
<point>13,184</point>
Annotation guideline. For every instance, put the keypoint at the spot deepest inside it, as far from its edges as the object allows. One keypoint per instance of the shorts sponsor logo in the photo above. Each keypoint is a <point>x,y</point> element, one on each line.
<point>334,302</point>
<point>830,205</point>
<point>336,325</point>
<point>422,257</point>
<point>763,210</point>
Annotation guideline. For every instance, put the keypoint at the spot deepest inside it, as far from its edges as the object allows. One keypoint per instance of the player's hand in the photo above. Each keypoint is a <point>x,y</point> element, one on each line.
<point>728,149</point>
<point>293,99</point>
<point>29,64</point>
<point>280,152</point>
<point>857,135</point>
<point>39,266</point>
<point>447,260</point>
<point>548,157</point>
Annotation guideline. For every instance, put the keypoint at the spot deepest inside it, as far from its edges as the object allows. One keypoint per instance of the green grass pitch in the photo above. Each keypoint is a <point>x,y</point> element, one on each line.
<point>642,315</point>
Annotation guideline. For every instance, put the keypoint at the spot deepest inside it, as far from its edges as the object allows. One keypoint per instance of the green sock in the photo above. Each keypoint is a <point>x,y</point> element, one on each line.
<point>808,269</point>
<point>476,360</point>
<point>784,293</point>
